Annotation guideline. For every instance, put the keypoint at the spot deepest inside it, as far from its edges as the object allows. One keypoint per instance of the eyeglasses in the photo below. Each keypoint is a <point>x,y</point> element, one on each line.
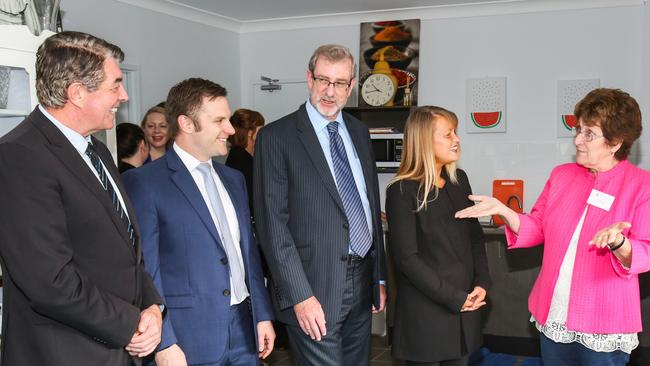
<point>588,135</point>
<point>324,83</point>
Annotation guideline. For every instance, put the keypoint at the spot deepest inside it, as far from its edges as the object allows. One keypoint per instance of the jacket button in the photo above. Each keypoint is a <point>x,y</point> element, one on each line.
<point>346,225</point>
<point>224,260</point>
<point>226,292</point>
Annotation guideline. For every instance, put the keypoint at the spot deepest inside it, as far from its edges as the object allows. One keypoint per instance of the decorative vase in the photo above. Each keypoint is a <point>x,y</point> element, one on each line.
<point>5,74</point>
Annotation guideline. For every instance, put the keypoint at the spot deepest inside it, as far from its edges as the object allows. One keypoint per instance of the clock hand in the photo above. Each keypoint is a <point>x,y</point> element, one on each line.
<point>374,86</point>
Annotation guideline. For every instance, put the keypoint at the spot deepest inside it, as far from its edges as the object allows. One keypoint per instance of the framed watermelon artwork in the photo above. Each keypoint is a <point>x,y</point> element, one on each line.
<point>569,93</point>
<point>486,105</point>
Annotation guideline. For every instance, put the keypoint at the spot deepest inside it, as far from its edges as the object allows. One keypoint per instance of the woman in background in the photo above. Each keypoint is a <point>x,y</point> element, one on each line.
<point>242,145</point>
<point>154,124</point>
<point>132,148</point>
<point>593,218</point>
<point>442,274</point>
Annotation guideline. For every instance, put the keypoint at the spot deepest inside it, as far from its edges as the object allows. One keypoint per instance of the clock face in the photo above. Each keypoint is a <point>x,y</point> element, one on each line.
<point>377,90</point>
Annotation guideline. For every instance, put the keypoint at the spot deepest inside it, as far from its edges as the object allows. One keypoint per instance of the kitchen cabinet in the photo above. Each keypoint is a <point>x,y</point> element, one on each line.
<point>18,52</point>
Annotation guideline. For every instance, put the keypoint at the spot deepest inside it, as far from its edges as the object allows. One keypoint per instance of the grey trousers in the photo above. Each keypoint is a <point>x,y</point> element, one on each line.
<point>348,339</point>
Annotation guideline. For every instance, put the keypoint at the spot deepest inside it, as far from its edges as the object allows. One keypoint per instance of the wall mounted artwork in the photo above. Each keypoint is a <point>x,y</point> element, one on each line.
<point>569,93</point>
<point>388,63</point>
<point>486,105</point>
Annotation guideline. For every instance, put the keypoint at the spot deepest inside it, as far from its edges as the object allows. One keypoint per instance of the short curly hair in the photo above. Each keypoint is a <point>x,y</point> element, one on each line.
<point>616,113</point>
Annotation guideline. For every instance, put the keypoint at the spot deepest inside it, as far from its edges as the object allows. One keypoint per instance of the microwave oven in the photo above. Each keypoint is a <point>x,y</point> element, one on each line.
<point>387,149</point>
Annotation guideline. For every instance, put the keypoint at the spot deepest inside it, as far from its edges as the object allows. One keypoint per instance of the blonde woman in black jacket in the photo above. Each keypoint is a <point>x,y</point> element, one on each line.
<point>440,261</point>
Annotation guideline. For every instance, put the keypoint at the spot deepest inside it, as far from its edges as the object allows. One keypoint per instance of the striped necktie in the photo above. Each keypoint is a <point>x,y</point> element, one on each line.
<point>360,240</point>
<point>108,187</point>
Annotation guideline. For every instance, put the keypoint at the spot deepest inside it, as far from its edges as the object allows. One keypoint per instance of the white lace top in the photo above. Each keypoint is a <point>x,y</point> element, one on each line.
<point>555,327</point>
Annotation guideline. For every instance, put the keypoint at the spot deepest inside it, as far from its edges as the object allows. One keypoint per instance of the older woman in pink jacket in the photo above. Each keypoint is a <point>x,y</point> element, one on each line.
<point>594,220</point>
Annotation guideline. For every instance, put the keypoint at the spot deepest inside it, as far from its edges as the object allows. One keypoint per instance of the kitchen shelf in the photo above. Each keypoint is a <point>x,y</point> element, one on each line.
<point>382,116</point>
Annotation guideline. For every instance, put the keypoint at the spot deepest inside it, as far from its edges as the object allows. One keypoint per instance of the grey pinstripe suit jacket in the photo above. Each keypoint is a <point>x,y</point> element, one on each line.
<point>300,221</point>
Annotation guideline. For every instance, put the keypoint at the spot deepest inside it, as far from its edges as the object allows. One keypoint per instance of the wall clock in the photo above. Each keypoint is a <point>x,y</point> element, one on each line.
<point>378,90</point>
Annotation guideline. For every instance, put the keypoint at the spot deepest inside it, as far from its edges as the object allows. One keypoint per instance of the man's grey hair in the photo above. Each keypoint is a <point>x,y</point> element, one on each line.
<point>70,57</point>
<point>332,53</point>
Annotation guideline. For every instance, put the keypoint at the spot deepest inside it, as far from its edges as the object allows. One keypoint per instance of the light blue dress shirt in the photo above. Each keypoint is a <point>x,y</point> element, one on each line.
<point>320,126</point>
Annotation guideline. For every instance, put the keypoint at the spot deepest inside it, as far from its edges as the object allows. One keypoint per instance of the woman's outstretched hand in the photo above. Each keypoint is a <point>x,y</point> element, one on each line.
<point>488,206</point>
<point>485,206</point>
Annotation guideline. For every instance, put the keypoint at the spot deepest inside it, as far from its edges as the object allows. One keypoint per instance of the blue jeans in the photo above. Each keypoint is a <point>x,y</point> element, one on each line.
<point>575,354</point>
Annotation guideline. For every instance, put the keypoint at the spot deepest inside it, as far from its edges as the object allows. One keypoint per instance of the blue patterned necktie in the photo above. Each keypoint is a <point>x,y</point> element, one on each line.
<point>108,187</point>
<point>235,265</point>
<point>360,240</point>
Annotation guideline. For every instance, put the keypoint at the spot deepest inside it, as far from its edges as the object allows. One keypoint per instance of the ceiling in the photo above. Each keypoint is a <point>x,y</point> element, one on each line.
<point>259,10</point>
<point>244,16</point>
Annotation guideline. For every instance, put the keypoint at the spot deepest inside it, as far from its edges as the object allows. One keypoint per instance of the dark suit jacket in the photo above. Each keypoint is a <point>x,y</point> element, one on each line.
<point>74,285</point>
<point>184,254</point>
<point>122,167</point>
<point>438,261</point>
<point>300,219</point>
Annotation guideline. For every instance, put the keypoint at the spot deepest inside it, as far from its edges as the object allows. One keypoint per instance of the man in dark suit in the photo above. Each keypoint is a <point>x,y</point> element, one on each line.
<point>317,214</point>
<point>197,238</point>
<point>75,288</point>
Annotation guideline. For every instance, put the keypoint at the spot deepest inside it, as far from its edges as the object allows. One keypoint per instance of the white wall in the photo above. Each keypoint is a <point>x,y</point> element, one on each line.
<point>532,50</point>
<point>166,49</point>
<point>644,146</point>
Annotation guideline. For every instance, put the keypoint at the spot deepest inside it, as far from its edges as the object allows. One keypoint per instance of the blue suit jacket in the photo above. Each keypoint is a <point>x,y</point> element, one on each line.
<point>184,255</point>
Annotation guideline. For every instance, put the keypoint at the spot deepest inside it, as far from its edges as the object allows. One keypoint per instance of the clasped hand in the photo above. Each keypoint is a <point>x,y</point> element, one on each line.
<point>475,299</point>
<point>148,333</point>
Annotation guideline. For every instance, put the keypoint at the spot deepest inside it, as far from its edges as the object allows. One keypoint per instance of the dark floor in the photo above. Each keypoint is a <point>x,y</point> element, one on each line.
<point>379,355</point>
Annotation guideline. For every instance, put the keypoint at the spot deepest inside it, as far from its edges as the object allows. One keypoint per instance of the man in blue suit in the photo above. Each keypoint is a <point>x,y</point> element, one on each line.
<point>197,238</point>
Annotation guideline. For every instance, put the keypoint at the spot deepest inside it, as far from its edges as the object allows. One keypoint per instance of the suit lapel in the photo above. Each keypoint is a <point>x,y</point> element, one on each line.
<point>117,178</point>
<point>186,184</point>
<point>312,146</point>
<point>63,150</point>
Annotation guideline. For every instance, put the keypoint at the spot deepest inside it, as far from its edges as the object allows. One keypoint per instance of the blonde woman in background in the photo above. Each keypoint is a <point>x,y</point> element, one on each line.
<point>440,261</point>
<point>155,127</point>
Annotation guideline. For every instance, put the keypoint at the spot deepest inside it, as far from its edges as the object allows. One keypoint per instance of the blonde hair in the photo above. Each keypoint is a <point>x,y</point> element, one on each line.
<point>418,157</point>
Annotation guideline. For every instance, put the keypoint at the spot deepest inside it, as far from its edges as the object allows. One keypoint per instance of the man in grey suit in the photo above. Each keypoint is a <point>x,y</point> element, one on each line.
<point>317,211</point>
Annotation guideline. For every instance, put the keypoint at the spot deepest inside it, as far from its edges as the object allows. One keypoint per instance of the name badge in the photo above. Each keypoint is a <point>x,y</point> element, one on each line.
<point>600,199</point>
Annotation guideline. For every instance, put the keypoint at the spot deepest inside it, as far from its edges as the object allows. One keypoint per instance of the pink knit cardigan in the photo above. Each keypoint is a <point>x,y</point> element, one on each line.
<point>604,295</point>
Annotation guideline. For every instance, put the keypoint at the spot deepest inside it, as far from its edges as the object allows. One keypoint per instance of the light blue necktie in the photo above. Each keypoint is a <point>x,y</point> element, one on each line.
<point>360,240</point>
<point>235,265</point>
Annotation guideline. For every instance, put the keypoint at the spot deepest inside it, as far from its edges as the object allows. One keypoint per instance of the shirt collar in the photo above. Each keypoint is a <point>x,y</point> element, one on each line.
<point>188,160</point>
<point>317,120</point>
<point>79,142</point>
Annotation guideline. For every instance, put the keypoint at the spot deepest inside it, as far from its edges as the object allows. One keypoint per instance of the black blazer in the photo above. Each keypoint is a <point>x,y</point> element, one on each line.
<point>438,261</point>
<point>123,167</point>
<point>74,285</point>
<point>238,158</point>
<point>300,220</point>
